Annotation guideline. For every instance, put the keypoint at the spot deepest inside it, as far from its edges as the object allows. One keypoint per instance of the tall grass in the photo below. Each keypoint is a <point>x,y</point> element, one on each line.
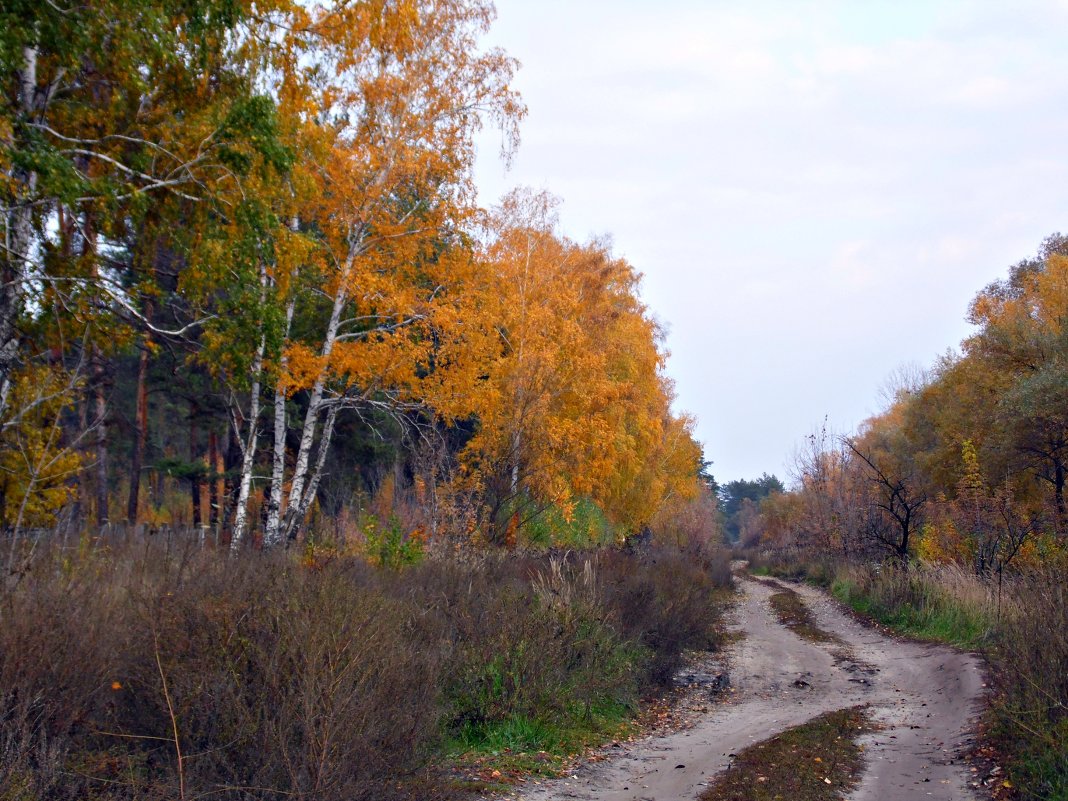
<point>1031,668</point>
<point>943,603</point>
<point>157,670</point>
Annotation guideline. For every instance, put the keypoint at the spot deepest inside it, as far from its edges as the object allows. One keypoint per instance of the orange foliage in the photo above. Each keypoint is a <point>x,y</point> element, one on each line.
<point>576,403</point>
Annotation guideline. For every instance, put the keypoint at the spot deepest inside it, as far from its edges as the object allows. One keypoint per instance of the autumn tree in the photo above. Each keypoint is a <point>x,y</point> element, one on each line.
<point>1023,341</point>
<point>733,494</point>
<point>395,92</point>
<point>121,118</point>
<point>576,404</point>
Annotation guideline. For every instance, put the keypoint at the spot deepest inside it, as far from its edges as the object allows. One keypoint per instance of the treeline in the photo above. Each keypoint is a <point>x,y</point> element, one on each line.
<point>246,285</point>
<point>968,464</point>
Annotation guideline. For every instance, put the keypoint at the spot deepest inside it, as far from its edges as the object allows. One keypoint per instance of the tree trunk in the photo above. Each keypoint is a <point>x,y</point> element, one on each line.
<point>248,456</point>
<point>231,461</point>
<point>213,480</point>
<point>137,461</point>
<point>313,484</point>
<point>272,534</point>
<point>298,499</point>
<point>15,254</point>
<point>100,405</point>
<point>194,457</point>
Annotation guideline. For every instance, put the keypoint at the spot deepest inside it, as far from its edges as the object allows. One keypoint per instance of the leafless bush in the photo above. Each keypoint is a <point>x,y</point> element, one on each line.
<point>1031,671</point>
<point>158,669</point>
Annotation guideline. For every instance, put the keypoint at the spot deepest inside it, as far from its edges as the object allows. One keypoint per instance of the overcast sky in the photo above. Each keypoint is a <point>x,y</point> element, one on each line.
<point>813,190</point>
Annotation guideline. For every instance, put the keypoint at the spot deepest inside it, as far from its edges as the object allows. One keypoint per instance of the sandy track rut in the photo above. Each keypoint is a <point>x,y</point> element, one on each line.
<point>923,696</point>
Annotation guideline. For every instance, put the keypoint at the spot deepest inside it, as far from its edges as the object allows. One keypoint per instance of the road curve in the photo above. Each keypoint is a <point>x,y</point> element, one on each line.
<point>924,698</point>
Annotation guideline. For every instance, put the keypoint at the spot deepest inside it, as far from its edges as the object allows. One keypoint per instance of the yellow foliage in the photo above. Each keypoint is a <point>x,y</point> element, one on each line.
<point>36,466</point>
<point>575,404</point>
<point>941,543</point>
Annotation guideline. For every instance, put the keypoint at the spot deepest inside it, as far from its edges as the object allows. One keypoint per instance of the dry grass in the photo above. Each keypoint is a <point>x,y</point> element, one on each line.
<point>158,670</point>
<point>1030,664</point>
<point>942,603</point>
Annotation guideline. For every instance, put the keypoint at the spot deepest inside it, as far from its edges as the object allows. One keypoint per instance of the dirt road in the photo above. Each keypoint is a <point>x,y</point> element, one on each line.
<point>924,698</point>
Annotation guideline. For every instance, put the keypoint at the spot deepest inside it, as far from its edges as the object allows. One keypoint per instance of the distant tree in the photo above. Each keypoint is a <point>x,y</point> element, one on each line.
<point>733,493</point>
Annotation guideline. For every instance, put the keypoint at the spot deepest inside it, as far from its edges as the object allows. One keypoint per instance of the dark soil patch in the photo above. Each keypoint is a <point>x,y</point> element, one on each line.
<point>817,761</point>
<point>793,614</point>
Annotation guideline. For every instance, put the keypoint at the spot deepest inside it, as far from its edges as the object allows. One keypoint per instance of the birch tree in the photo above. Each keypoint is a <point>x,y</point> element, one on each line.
<point>399,89</point>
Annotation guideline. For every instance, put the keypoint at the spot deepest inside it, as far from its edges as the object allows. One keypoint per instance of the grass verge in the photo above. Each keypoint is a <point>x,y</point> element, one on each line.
<point>817,761</point>
<point>1021,629</point>
<point>504,751</point>
<point>916,607</point>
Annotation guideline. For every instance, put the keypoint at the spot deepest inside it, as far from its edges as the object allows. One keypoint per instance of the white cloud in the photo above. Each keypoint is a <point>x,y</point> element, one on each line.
<point>814,189</point>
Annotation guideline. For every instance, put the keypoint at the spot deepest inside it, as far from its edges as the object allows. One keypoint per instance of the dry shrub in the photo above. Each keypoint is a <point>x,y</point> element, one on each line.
<point>1031,668</point>
<point>334,682</point>
<point>528,639</point>
<point>278,680</point>
<point>667,600</point>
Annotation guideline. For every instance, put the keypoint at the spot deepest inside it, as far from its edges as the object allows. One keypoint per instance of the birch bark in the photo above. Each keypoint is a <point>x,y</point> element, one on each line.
<point>299,497</point>
<point>18,241</point>
<point>272,535</point>
<point>248,456</point>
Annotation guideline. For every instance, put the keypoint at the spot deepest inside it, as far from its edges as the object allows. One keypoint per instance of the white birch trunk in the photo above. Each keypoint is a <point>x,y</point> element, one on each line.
<point>248,458</point>
<point>297,500</point>
<point>18,241</point>
<point>272,535</point>
<point>317,473</point>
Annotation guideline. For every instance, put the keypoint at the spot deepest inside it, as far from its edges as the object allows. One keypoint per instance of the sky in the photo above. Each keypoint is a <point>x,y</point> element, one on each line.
<point>813,190</point>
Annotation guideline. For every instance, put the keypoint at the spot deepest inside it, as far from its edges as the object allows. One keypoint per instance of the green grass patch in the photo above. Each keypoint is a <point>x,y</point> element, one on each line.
<point>540,746</point>
<point>924,615</point>
<point>817,761</point>
<point>792,613</point>
<point>1041,772</point>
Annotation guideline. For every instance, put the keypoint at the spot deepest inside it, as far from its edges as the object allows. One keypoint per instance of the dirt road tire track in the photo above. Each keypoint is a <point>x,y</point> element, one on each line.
<point>924,698</point>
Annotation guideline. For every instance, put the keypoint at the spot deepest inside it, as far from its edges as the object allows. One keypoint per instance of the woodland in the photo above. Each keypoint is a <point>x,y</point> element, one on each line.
<point>247,288</point>
<point>293,433</point>
<point>320,480</point>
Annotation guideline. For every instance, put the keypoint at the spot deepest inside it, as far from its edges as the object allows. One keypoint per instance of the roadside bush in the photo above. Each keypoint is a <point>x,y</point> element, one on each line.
<point>534,647</point>
<point>1030,665</point>
<point>175,674</point>
<point>159,670</point>
<point>669,602</point>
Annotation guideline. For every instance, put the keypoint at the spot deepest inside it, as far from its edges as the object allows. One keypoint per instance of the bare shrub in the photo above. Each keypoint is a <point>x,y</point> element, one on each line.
<point>159,670</point>
<point>1031,669</point>
<point>668,601</point>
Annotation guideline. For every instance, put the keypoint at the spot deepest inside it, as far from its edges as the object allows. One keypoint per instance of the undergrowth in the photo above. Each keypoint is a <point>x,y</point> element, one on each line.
<point>159,670</point>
